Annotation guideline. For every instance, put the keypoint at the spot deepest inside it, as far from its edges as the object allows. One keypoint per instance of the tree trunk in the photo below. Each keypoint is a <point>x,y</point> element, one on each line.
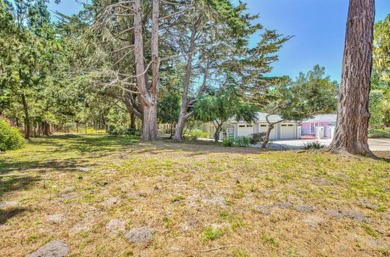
<point>178,136</point>
<point>27,123</point>
<point>132,121</point>
<point>150,129</point>
<point>218,130</point>
<point>353,115</point>
<point>149,96</point>
<point>266,138</point>
<point>46,129</point>
<point>186,85</point>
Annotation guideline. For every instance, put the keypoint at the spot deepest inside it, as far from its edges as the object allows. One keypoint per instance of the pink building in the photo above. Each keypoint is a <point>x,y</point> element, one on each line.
<point>323,125</point>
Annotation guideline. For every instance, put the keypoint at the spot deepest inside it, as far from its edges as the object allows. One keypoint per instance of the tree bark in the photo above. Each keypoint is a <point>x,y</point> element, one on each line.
<point>149,97</point>
<point>132,121</point>
<point>27,123</point>
<point>184,97</point>
<point>46,129</point>
<point>353,114</point>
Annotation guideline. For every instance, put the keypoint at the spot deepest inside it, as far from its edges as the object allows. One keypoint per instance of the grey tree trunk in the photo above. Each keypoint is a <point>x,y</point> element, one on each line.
<point>353,115</point>
<point>184,97</point>
<point>149,96</point>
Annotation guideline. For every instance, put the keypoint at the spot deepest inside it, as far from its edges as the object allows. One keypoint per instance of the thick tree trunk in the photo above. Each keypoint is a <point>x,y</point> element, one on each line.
<point>150,128</point>
<point>27,123</point>
<point>149,96</point>
<point>353,115</point>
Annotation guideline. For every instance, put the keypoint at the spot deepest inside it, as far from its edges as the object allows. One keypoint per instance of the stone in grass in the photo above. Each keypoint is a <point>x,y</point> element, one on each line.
<point>110,202</point>
<point>313,221</point>
<point>262,209</point>
<point>215,200</point>
<point>303,208</point>
<point>350,214</point>
<point>284,205</point>
<point>115,227</point>
<point>55,218</point>
<point>368,205</point>
<point>140,235</point>
<point>52,249</point>
<point>83,226</point>
<point>8,204</point>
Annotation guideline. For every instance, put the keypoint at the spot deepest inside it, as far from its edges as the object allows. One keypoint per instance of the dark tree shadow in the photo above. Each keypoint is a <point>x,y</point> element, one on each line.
<point>16,183</point>
<point>10,213</point>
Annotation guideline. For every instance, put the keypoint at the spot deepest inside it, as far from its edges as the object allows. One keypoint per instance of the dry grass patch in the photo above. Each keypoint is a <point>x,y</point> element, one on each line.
<point>199,200</point>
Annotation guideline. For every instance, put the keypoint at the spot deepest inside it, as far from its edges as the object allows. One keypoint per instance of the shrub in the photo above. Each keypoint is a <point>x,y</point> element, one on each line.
<point>256,138</point>
<point>242,141</point>
<point>313,146</point>
<point>194,134</point>
<point>10,137</point>
<point>120,131</point>
<point>228,142</point>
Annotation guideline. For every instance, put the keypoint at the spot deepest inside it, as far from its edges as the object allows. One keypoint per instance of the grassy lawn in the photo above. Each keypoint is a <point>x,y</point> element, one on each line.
<point>379,133</point>
<point>198,199</point>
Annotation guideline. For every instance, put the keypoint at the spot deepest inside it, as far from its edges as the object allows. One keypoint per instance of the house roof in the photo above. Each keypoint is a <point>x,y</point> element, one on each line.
<point>261,117</point>
<point>322,118</point>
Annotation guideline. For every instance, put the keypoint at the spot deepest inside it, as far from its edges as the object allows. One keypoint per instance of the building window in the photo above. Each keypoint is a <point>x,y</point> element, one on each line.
<point>241,126</point>
<point>249,126</point>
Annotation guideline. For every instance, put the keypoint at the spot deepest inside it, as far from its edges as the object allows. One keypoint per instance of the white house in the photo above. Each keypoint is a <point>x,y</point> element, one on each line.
<point>283,130</point>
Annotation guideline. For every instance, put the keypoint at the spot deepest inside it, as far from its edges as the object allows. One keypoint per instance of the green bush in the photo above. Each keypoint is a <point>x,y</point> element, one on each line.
<point>120,131</point>
<point>256,138</point>
<point>228,142</point>
<point>239,141</point>
<point>242,141</point>
<point>10,137</point>
<point>313,146</point>
<point>194,134</point>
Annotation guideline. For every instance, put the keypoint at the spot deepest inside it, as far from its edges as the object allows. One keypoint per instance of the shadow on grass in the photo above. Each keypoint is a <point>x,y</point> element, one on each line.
<point>16,183</point>
<point>85,143</point>
<point>10,213</point>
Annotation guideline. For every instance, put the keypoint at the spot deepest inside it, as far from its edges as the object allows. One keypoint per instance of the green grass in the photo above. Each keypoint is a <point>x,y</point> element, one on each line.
<point>198,197</point>
<point>212,233</point>
<point>379,133</point>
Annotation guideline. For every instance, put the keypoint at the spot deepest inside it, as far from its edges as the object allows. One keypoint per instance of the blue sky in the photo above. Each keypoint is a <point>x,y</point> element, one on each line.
<point>318,27</point>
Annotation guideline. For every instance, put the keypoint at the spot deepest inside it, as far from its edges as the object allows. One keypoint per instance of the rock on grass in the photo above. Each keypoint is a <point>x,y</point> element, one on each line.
<point>52,249</point>
<point>55,218</point>
<point>262,209</point>
<point>114,227</point>
<point>140,235</point>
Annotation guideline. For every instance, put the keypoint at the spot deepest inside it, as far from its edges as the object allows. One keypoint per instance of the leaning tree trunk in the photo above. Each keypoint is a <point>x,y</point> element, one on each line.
<point>267,135</point>
<point>353,115</point>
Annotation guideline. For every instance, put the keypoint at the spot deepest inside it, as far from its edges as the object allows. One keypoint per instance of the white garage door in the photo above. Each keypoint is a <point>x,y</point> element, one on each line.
<point>264,128</point>
<point>287,131</point>
<point>244,130</point>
